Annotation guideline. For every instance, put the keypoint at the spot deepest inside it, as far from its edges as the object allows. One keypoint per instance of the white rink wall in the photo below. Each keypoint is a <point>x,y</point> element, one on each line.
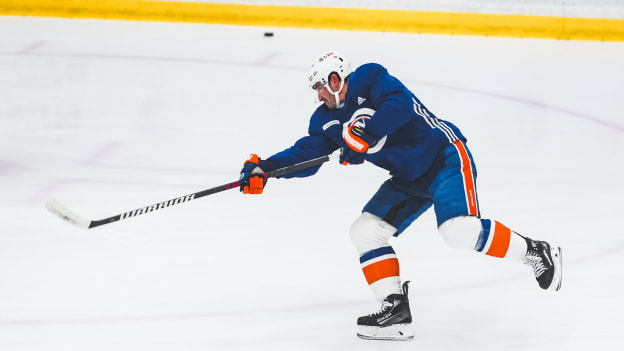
<point>561,8</point>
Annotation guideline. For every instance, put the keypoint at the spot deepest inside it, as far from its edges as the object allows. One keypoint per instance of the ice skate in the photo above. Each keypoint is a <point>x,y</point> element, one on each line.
<point>392,322</point>
<point>546,262</point>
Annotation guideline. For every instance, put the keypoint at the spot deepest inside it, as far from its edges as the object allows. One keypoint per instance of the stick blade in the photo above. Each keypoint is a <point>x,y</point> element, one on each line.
<point>62,212</point>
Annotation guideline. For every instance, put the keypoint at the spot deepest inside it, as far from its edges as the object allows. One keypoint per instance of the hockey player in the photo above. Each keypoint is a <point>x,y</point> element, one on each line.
<point>371,116</point>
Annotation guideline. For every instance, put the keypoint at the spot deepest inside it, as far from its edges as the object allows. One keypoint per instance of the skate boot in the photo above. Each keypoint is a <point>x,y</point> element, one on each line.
<point>392,322</point>
<point>546,263</point>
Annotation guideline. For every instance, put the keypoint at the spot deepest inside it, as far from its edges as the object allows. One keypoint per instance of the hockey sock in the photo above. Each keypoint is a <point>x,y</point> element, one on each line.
<point>497,240</point>
<point>381,270</point>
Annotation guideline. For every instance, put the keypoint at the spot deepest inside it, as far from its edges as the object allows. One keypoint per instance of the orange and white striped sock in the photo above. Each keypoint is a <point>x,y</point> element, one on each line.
<point>499,241</point>
<point>381,270</point>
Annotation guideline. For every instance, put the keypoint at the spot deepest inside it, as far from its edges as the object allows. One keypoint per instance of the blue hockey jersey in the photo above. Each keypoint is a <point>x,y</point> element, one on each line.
<point>409,135</point>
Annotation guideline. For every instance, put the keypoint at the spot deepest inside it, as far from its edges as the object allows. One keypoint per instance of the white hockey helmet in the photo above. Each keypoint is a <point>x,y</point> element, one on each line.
<point>327,63</point>
<point>324,65</point>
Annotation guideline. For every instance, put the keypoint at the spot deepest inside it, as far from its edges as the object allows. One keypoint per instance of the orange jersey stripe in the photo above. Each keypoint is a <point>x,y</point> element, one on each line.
<point>500,241</point>
<point>466,169</point>
<point>380,270</point>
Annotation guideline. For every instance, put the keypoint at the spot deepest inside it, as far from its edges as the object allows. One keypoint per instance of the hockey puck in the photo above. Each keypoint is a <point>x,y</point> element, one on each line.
<point>268,34</point>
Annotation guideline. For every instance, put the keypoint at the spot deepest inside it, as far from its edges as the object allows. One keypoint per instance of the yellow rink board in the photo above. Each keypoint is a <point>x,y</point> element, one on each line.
<point>453,23</point>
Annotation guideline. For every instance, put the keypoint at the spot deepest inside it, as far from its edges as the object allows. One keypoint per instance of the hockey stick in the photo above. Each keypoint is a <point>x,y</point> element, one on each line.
<point>66,214</point>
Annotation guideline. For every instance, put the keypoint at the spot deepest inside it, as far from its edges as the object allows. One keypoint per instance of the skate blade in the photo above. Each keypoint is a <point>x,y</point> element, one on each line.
<point>395,332</point>
<point>556,254</point>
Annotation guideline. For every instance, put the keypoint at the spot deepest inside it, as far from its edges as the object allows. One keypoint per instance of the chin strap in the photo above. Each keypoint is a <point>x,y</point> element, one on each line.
<point>337,94</point>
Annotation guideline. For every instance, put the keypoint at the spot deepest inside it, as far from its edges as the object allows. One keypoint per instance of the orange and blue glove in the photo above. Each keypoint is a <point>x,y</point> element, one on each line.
<point>357,141</point>
<point>252,177</point>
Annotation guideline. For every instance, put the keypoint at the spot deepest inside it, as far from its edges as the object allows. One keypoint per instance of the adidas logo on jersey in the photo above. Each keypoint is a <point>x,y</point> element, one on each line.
<point>361,100</point>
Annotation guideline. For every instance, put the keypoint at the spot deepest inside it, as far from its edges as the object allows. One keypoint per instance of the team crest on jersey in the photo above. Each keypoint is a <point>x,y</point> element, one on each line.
<point>359,119</point>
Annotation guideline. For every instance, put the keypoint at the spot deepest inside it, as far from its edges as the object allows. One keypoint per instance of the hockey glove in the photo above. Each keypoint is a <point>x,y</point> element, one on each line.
<point>357,141</point>
<point>252,177</point>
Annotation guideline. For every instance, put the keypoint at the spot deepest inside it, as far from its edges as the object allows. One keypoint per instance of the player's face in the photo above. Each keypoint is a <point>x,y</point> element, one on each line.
<point>325,96</point>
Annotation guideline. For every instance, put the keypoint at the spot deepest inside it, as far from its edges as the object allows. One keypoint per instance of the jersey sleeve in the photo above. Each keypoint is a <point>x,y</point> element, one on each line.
<point>309,147</point>
<point>393,103</point>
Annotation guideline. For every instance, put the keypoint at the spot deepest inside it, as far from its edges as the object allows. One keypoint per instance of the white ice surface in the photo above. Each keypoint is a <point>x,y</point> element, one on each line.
<point>109,116</point>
